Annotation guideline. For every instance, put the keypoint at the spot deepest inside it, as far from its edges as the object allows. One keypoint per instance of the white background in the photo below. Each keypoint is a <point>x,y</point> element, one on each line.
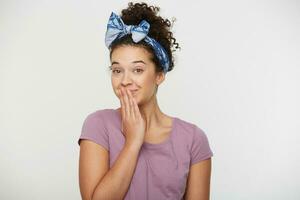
<point>236,77</point>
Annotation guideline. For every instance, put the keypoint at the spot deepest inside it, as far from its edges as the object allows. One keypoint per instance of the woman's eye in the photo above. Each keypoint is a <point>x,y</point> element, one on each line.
<point>115,70</point>
<point>139,70</point>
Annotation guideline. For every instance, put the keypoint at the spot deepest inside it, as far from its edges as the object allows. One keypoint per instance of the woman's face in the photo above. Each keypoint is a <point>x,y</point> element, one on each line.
<point>132,68</point>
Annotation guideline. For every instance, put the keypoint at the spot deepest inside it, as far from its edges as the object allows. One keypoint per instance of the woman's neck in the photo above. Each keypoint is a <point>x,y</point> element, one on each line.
<point>152,115</point>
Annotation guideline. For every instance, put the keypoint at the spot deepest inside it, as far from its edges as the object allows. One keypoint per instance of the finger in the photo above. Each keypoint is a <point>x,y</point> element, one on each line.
<point>131,103</point>
<point>126,102</point>
<point>125,107</point>
<point>136,108</point>
<point>122,104</point>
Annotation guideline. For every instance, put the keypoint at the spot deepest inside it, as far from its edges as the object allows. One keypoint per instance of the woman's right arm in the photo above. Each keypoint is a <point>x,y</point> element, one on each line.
<point>96,180</point>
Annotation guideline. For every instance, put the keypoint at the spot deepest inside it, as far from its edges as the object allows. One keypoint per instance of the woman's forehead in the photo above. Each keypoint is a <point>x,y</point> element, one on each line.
<point>130,54</point>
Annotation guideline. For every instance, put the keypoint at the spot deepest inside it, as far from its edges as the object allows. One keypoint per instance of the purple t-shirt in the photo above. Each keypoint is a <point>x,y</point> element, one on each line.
<point>162,169</point>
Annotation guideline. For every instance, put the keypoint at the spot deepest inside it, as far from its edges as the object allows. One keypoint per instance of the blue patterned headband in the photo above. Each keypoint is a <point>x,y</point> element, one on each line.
<point>117,29</point>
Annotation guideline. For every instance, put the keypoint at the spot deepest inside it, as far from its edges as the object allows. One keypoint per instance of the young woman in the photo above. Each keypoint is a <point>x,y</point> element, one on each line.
<point>137,152</point>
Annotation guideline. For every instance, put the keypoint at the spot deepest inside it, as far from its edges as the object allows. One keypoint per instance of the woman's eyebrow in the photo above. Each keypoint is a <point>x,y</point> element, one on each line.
<point>114,62</point>
<point>136,61</point>
<point>139,61</point>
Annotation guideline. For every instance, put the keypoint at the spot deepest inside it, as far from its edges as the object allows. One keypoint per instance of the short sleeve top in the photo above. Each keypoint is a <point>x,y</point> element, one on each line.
<point>162,168</point>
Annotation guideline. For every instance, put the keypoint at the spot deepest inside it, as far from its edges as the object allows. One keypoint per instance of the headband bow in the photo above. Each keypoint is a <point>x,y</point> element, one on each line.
<point>117,29</point>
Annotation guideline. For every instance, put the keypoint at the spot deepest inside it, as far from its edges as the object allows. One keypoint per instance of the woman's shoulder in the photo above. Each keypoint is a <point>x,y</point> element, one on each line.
<point>185,124</point>
<point>197,139</point>
<point>101,113</point>
<point>106,117</point>
<point>96,128</point>
<point>189,128</point>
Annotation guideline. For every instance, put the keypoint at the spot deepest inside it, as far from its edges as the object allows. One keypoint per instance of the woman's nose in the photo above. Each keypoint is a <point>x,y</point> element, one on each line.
<point>126,79</point>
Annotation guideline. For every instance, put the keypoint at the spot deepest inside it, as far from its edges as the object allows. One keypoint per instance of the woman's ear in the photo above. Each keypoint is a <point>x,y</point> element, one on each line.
<point>160,77</point>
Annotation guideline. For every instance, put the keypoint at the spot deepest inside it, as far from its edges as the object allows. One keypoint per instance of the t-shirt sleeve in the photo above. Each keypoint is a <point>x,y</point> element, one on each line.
<point>94,129</point>
<point>200,149</point>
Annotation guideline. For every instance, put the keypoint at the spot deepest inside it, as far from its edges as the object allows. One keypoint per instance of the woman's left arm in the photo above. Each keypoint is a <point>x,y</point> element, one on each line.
<point>198,181</point>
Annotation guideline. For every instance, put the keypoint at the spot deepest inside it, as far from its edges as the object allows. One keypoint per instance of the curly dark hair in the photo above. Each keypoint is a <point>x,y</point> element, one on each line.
<point>159,30</point>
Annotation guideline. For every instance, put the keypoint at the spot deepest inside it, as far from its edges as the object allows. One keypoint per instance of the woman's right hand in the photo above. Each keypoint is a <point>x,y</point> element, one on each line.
<point>133,125</point>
